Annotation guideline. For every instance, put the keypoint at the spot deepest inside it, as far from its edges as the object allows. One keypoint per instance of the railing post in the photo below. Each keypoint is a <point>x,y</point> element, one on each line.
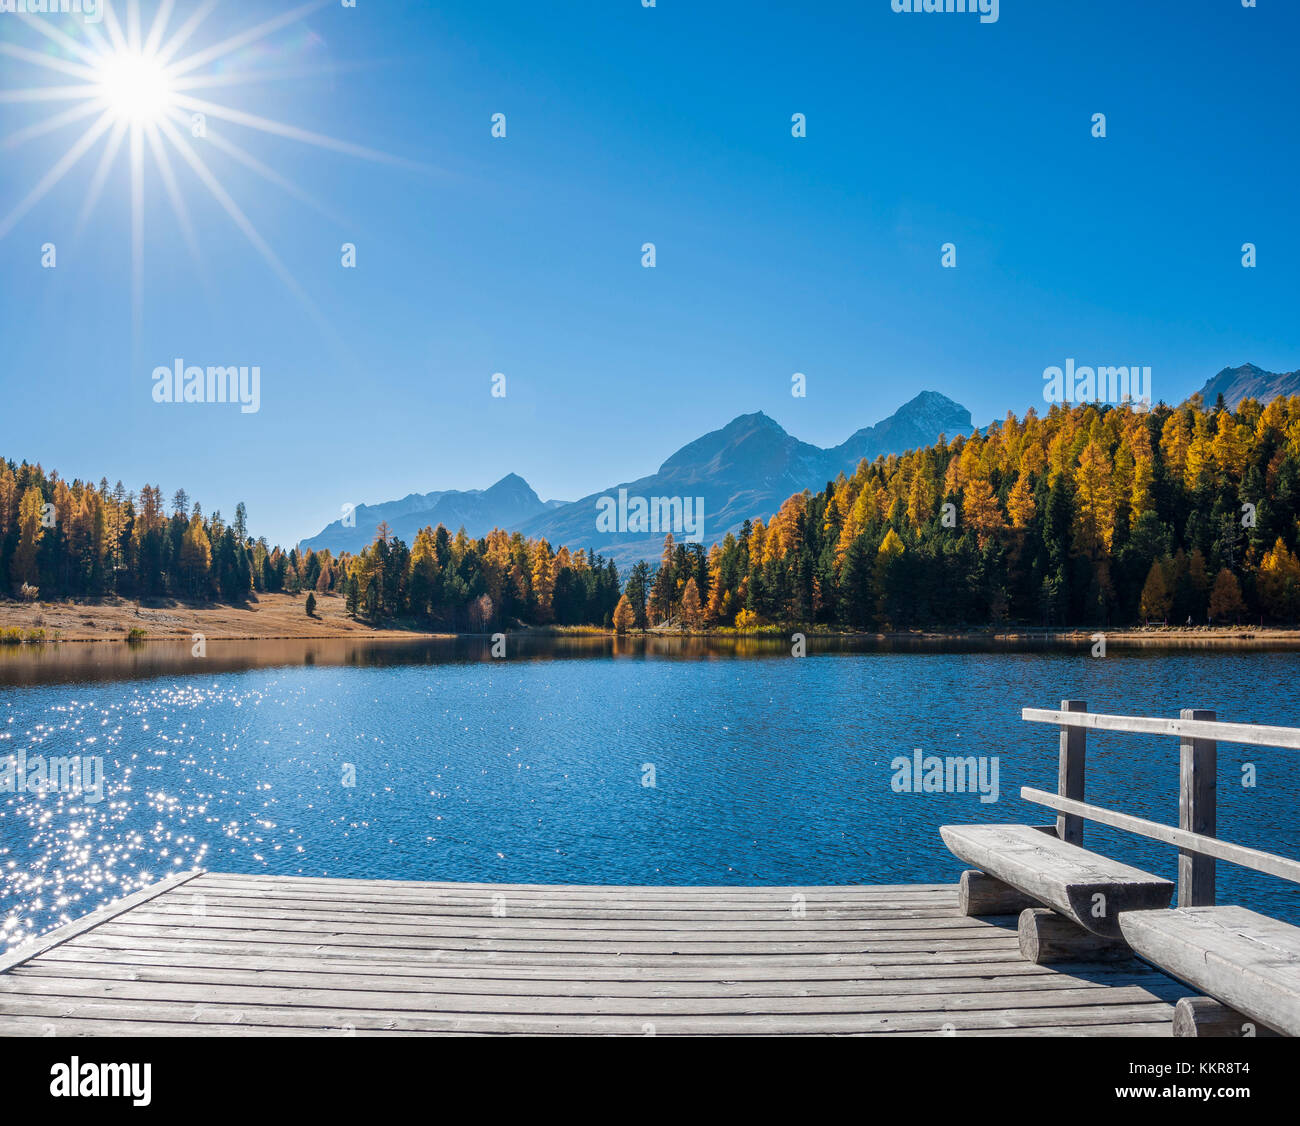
<point>1070,774</point>
<point>1198,761</point>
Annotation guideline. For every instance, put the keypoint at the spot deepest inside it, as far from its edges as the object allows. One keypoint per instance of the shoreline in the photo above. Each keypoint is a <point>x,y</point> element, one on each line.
<point>282,617</point>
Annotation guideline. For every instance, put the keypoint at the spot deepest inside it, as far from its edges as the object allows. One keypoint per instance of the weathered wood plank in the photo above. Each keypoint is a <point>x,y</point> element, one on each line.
<point>621,891</point>
<point>1211,846</point>
<point>1004,951</point>
<point>394,1001</point>
<point>631,898</point>
<point>14,1025</point>
<point>309,934</point>
<point>479,985</point>
<point>1090,889</point>
<point>1243,959</point>
<point>598,969</point>
<point>1156,1030</point>
<point>539,909</point>
<point>1243,734</point>
<point>510,927</point>
<point>223,1013</point>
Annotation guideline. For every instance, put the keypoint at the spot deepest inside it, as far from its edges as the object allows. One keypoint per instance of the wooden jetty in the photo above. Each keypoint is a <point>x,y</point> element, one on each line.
<point>1041,937</point>
<point>208,953</point>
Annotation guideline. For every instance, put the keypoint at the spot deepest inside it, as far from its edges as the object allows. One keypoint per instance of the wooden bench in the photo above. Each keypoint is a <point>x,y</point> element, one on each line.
<point>1247,964</point>
<point>1243,959</point>
<point>1089,889</point>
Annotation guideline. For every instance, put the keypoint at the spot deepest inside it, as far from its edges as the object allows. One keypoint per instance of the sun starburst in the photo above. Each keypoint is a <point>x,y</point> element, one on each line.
<point>137,89</point>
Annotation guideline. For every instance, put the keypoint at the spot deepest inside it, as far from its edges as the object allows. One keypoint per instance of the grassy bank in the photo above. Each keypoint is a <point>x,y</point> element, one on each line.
<point>115,619</point>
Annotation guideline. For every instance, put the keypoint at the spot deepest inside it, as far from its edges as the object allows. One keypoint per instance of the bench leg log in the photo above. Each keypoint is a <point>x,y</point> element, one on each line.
<point>1047,937</point>
<point>1204,1016</point>
<point>981,894</point>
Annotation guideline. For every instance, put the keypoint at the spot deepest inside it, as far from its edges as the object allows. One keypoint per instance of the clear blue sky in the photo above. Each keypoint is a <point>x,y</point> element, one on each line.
<point>669,125</point>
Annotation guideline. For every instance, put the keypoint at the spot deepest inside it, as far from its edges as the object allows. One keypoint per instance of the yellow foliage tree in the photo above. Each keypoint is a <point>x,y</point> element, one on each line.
<point>624,615</point>
<point>692,611</point>
<point>1020,503</point>
<point>196,553</point>
<point>980,510</point>
<point>1279,583</point>
<point>1096,501</point>
<point>30,531</point>
<point>544,580</point>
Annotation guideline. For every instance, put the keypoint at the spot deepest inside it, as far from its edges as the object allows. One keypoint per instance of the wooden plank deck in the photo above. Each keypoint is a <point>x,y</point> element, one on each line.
<point>216,954</point>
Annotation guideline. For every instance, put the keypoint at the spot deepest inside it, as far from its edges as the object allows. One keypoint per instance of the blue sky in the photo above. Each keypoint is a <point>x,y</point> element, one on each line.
<point>670,125</point>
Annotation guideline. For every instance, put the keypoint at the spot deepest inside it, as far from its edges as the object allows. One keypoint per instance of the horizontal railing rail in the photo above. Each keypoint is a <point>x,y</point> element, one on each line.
<point>1246,734</point>
<point>1253,858</point>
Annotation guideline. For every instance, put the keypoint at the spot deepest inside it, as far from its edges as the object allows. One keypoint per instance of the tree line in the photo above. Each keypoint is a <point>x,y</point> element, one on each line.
<point>1086,516</point>
<point>61,540</point>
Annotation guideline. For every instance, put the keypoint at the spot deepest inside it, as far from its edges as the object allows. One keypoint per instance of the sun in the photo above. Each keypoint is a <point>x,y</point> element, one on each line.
<point>136,81</point>
<point>135,87</point>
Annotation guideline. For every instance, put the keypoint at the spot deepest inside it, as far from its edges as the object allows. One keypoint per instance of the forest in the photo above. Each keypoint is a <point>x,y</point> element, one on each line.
<point>61,541</point>
<point>1088,516</point>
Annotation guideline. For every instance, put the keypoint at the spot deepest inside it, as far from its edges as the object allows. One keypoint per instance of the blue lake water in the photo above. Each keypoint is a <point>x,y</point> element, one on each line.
<point>767,769</point>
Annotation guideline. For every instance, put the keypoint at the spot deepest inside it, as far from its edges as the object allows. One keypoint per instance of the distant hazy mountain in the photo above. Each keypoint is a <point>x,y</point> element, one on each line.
<point>746,471</point>
<point>1249,382</point>
<point>507,504</point>
<point>912,426</point>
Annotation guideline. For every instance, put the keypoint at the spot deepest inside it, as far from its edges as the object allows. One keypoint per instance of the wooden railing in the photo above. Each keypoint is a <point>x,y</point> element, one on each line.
<point>1195,836</point>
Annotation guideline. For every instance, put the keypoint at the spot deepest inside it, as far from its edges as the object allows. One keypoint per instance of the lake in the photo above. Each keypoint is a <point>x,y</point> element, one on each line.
<point>592,760</point>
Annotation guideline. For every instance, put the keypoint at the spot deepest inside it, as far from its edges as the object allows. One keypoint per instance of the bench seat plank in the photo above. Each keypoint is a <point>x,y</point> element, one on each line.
<point>1063,876</point>
<point>1246,960</point>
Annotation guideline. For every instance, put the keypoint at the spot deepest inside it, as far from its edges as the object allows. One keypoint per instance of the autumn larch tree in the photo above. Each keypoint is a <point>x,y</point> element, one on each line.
<point>30,530</point>
<point>1156,598</point>
<point>624,615</point>
<point>1279,583</point>
<point>1225,598</point>
<point>544,580</point>
<point>692,611</point>
<point>196,554</point>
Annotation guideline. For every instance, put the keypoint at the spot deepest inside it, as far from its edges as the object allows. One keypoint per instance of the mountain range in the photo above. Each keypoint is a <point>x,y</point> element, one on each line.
<point>507,504</point>
<point>744,471</point>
